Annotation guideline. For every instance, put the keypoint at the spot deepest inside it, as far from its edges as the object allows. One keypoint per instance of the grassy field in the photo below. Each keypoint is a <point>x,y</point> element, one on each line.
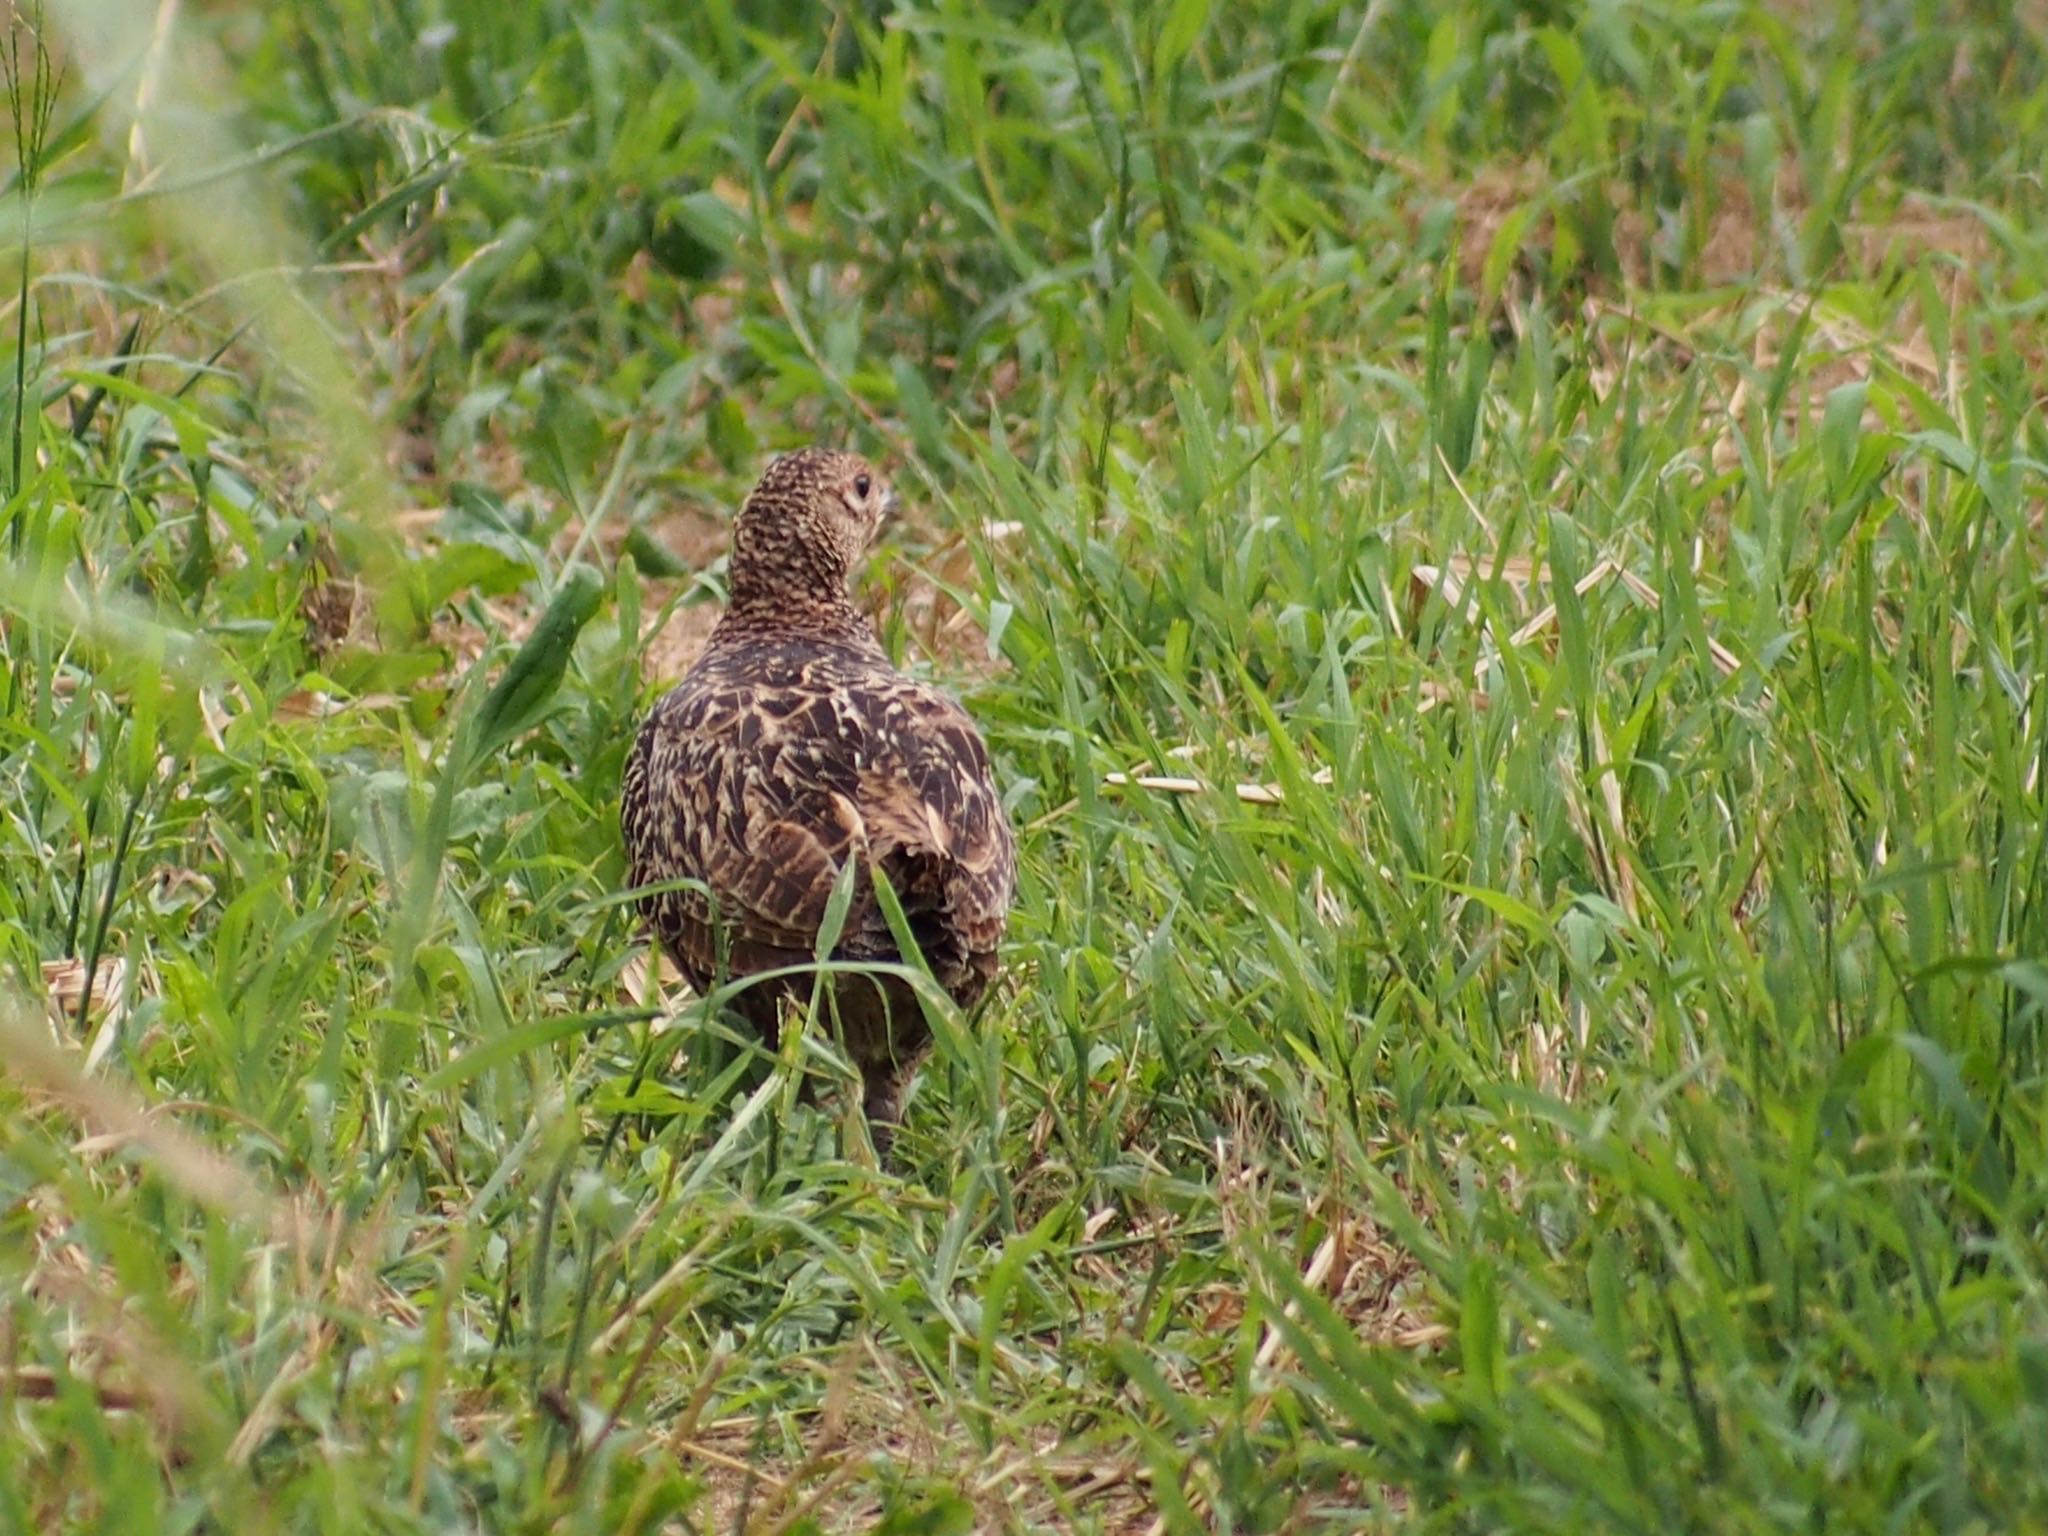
<point>1500,552</point>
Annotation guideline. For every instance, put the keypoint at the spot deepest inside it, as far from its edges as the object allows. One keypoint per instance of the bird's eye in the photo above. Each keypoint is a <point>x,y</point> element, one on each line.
<point>861,486</point>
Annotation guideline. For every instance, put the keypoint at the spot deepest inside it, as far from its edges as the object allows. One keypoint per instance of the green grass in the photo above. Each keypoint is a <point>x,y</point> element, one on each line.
<point>1605,1091</point>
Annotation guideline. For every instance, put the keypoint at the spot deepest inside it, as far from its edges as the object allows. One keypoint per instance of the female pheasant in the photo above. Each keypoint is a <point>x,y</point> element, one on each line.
<point>793,746</point>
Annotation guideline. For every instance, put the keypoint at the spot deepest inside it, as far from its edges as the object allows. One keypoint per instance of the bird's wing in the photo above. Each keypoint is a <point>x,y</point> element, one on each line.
<point>724,801</point>
<point>935,823</point>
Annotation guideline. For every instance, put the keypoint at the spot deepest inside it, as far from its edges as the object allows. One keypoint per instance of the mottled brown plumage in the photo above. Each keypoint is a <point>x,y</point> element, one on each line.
<point>792,746</point>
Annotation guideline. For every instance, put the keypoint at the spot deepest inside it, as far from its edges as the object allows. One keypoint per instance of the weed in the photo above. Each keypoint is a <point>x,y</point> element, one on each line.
<point>1498,550</point>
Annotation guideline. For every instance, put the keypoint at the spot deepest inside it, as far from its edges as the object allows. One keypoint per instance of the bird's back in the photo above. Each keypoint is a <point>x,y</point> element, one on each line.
<point>777,759</point>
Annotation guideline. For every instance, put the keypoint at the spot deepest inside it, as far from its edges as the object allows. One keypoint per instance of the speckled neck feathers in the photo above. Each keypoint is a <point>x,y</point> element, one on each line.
<point>790,563</point>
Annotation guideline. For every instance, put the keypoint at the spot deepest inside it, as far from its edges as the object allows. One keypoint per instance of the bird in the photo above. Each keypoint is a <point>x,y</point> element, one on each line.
<point>792,747</point>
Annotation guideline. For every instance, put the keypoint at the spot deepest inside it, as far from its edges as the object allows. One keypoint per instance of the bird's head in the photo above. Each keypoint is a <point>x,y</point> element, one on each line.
<point>805,525</point>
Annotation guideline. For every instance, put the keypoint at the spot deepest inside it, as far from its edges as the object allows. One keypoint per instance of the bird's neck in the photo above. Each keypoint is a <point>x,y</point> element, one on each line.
<point>785,612</point>
<point>787,579</point>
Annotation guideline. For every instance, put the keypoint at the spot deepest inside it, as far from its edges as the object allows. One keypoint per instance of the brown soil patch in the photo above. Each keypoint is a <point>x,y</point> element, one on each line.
<point>669,645</point>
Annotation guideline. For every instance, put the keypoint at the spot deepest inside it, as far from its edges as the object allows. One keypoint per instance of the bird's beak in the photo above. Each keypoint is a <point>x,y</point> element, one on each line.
<point>891,505</point>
